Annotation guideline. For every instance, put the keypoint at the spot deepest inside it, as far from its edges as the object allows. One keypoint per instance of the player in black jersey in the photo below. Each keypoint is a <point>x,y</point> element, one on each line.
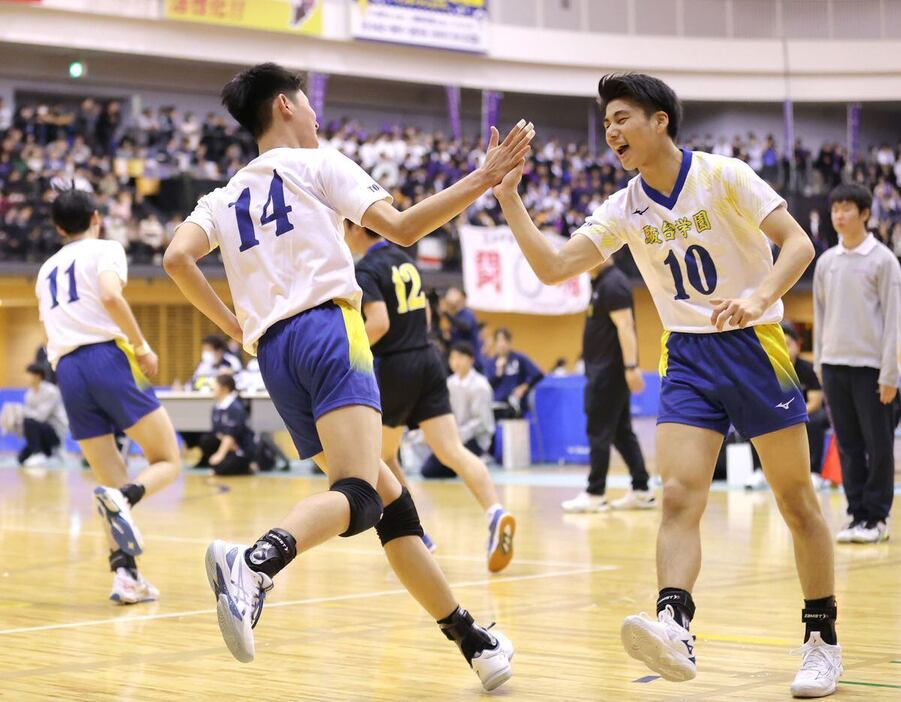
<point>413,380</point>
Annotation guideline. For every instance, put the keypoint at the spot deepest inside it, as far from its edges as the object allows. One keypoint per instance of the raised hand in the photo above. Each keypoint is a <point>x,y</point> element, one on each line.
<point>503,157</point>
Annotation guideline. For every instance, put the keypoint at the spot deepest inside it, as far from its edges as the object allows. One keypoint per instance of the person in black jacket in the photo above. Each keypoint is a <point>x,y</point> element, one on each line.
<point>230,447</point>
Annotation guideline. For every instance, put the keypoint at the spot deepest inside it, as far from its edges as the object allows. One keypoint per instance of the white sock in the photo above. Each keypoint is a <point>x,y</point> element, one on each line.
<point>491,510</point>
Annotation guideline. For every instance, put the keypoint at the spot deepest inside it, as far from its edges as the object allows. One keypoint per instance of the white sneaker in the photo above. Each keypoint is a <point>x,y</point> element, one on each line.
<point>635,499</point>
<point>757,481</point>
<point>664,646</point>
<point>871,533</point>
<point>500,540</point>
<point>115,510</point>
<point>239,592</point>
<point>818,481</point>
<point>35,460</point>
<point>585,502</point>
<point>130,590</point>
<point>492,665</point>
<point>847,533</point>
<point>821,667</point>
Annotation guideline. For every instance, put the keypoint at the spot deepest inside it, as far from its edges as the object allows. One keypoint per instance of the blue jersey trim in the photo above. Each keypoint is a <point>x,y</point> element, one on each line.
<point>660,198</point>
<point>376,246</point>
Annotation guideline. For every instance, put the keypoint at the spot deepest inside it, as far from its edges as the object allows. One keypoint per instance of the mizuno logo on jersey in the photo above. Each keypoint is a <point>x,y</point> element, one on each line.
<point>682,226</point>
<point>785,405</point>
<point>640,212</point>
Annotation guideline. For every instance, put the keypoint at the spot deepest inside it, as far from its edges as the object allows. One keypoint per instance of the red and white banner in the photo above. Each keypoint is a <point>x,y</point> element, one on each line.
<point>497,277</point>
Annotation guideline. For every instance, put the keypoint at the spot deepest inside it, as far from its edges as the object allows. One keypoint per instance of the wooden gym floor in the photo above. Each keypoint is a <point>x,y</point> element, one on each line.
<point>338,626</point>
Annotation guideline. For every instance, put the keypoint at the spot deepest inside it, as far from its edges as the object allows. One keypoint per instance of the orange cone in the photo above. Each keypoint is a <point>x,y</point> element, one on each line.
<point>832,466</point>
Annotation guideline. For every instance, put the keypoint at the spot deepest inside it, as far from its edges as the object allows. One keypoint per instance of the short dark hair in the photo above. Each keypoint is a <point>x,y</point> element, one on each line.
<point>214,340</point>
<point>504,332</point>
<point>790,330</point>
<point>852,192</point>
<point>72,211</point>
<point>37,369</point>
<point>227,381</point>
<point>371,234</point>
<point>649,93</point>
<point>465,348</point>
<point>248,96</point>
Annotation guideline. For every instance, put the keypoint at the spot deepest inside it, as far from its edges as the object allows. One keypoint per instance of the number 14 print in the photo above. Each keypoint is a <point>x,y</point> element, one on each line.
<point>278,214</point>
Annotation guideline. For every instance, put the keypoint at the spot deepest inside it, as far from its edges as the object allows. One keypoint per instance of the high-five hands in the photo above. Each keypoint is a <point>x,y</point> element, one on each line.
<point>508,155</point>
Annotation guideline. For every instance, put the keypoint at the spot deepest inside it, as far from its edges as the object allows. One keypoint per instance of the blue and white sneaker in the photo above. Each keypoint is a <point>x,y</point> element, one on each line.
<point>239,593</point>
<point>664,646</point>
<point>492,665</point>
<point>429,544</point>
<point>115,510</point>
<point>500,540</point>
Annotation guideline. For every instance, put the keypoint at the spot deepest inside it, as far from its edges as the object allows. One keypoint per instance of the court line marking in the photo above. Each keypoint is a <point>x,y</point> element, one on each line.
<point>306,601</point>
<point>869,684</point>
<point>319,549</point>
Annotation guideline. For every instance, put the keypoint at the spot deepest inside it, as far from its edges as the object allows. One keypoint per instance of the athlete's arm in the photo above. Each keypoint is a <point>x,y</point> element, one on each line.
<point>796,253</point>
<point>117,307</point>
<point>814,401</point>
<point>628,342</point>
<point>408,227</point>
<point>189,245</point>
<point>552,266</point>
<point>377,321</point>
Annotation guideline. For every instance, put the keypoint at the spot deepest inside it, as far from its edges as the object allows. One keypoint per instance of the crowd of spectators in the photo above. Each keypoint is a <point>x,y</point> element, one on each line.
<point>124,158</point>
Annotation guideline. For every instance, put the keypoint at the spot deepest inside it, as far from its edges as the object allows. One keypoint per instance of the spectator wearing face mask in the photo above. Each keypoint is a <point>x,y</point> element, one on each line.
<point>215,359</point>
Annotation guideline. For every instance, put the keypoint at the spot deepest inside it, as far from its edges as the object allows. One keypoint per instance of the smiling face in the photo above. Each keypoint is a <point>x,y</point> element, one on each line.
<point>633,135</point>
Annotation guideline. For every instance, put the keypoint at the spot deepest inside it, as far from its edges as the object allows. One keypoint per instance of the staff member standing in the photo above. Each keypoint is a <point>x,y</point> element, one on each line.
<point>857,337</point>
<point>610,352</point>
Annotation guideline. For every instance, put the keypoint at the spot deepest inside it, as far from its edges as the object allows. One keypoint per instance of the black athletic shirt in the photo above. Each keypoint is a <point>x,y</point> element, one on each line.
<point>389,275</point>
<point>610,292</point>
<point>807,376</point>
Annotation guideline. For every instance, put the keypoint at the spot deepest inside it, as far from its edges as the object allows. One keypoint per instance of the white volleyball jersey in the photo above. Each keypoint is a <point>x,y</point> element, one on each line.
<point>702,242</point>
<point>279,224</point>
<point>68,291</point>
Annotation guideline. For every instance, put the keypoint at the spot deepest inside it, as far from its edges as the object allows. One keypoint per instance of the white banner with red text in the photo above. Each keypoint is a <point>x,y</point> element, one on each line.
<point>497,277</point>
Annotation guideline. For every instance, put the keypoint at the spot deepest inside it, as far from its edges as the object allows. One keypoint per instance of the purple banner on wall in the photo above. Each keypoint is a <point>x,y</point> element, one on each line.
<point>854,110</point>
<point>316,88</point>
<point>453,110</point>
<point>491,109</point>
<point>788,135</point>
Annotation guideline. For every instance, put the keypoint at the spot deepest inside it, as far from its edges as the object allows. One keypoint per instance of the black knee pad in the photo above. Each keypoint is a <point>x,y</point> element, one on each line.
<point>365,504</point>
<point>400,519</point>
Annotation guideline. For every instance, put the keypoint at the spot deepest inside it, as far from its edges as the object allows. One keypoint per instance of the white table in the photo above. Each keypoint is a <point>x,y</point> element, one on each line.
<point>192,411</point>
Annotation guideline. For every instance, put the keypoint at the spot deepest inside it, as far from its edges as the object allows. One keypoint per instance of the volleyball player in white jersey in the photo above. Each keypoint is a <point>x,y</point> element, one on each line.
<point>279,226</point>
<point>102,362</point>
<point>699,228</point>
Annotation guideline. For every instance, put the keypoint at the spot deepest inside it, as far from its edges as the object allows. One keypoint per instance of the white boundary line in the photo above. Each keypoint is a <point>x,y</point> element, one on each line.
<point>311,600</point>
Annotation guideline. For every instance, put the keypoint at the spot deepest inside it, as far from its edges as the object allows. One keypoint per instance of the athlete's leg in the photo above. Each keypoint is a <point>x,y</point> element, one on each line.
<point>156,437</point>
<point>443,438</point>
<point>106,462</point>
<point>786,463</point>
<point>391,438</point>
<point>686,457</point>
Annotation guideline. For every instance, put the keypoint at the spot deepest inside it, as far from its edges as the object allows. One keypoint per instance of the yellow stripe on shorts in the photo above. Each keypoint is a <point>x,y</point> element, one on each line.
<point>664,354</point>
<point>357,341</point>
<point>772,339</point>
<point>141,380</point>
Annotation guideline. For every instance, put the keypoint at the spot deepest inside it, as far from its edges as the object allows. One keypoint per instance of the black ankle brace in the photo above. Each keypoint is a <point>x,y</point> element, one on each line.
<point>133,492</point>
<point>820,615</point>
<point>120,559</point>
<point>470,638</point>
<point>681,602</point>
<point>273,551</point>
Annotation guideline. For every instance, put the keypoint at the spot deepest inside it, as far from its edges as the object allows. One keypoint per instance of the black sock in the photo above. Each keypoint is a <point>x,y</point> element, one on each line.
<point>681,602</point>
<point>820,615</point>
<point>471,639</point>
<point>120,559</point>
<point>133,492</point>
<point>273,551</point>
